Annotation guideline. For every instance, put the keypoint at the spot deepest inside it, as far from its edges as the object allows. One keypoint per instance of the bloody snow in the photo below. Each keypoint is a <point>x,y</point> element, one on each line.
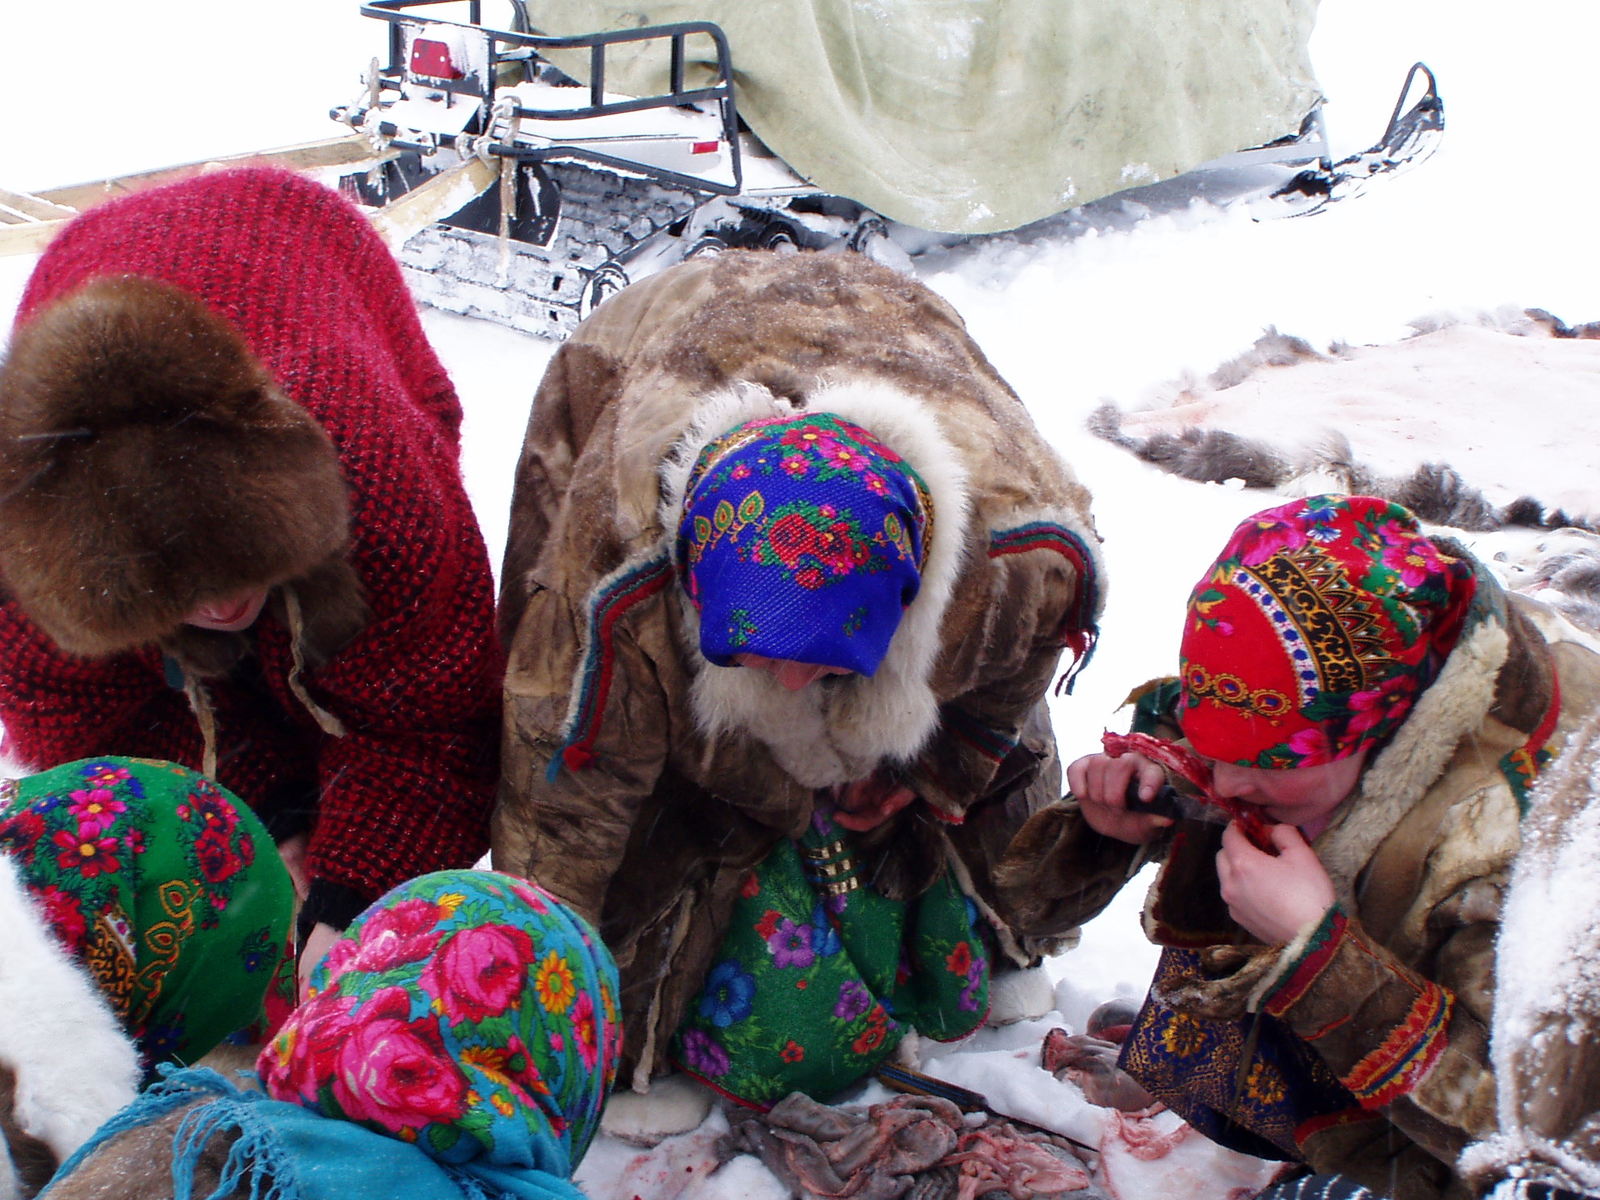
<point>1115,303</point>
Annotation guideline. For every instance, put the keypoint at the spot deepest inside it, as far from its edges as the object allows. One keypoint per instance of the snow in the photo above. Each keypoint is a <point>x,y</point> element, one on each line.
<point>1122,302</point>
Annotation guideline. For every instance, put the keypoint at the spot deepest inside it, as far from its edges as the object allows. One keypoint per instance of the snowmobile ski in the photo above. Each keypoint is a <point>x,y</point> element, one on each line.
<point>1411,137</point>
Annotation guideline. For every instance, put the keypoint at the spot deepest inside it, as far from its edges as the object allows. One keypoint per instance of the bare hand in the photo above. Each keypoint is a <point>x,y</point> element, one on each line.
<point>1273,896</point>
<point>867,803</point>
<point>317,944</point>
<point>293,852</point>
<point>1100,783</point>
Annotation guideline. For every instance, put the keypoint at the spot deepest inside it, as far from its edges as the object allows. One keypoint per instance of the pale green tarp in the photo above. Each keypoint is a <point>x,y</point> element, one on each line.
<point>973,116</point>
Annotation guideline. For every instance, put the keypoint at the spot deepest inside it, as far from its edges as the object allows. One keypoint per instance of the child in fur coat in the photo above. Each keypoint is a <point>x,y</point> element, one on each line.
<point>457,1044</point>
<point>1371,703</point>
<point>233,531</point>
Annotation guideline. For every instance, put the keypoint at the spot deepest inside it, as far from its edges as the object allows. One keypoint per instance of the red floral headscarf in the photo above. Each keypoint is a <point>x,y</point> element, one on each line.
<point>1314,632</point>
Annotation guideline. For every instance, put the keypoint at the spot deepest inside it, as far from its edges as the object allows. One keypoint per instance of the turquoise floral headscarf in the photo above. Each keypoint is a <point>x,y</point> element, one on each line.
<point>467,1013</point>
<point>458,1045</point>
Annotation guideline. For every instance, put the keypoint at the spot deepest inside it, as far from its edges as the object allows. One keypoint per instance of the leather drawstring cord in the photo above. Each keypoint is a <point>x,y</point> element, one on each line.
<point>200,704</point>
<point>329,723</point>
<point>205,715</point>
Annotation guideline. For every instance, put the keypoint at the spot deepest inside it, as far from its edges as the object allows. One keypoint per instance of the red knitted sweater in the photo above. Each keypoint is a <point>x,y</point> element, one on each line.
<point>409,786</point>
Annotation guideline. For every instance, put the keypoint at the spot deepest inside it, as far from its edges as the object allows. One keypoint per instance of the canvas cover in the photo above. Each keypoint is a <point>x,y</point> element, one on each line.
<point>974,116</point>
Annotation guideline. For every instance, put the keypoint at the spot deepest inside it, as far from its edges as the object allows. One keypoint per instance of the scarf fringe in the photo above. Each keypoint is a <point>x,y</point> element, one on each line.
<point>252,1156</point>
<point>256,1160</point>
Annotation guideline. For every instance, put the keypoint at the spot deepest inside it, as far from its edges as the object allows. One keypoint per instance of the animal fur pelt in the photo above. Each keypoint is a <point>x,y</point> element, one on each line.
<point>29,1161</point>
<point>1563,571</point>
<point>1559,328</point>
<point>1435,491</point>
<point>73,1065</point>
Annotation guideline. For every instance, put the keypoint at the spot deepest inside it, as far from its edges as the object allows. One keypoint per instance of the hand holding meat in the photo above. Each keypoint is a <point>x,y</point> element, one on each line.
<point>1273,896</point>
<point>1091,1064</point>
<point>1101,784</point>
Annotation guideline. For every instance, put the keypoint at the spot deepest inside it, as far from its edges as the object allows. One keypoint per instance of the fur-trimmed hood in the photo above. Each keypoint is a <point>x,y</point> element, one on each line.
<point>989,474</point>
<point>149,462</point>
<point>831,735</point>
<point>1452,709</point>
<point>640,781</point>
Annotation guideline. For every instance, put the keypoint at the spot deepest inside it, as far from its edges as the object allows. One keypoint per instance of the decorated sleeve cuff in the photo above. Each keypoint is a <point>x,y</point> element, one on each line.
<point>1304,960</point>
<point>977,735</point>
<point>1393,1059</point>
<point>1407,1052</point>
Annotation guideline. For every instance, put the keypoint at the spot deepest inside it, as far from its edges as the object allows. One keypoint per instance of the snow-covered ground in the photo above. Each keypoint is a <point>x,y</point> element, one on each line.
<point>1103,308</point>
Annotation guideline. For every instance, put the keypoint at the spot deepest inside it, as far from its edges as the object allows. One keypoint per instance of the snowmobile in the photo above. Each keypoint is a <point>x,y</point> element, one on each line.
<point>599,187</point>
<point>523,174</point>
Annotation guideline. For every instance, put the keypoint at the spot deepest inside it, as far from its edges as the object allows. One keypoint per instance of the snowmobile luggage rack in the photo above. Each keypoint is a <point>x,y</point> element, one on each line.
<point>444,60</point>
<point>597,190</point>
<point>587,178</point>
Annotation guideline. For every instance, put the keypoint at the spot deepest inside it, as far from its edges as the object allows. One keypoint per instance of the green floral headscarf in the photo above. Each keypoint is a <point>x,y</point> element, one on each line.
<point>166,888</point>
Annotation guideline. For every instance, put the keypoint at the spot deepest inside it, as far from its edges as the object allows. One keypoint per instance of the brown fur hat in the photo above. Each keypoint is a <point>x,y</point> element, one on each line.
<point>148,463</point>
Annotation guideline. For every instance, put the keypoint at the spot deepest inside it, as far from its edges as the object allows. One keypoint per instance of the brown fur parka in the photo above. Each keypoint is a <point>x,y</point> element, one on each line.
<point>640,782</point>
<point>1399,1004</point>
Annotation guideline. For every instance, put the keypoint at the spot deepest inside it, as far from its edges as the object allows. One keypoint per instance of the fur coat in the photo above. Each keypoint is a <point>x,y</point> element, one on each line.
<point>640,782</point>
<point>1544,1030</point>
<point>364,703</point>
<point>72,1065</point>
<point>1394,990</point>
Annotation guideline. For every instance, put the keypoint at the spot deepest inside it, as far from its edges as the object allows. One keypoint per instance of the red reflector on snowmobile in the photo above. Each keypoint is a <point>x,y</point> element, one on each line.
<point>704,147</point>
<point>432,59</point>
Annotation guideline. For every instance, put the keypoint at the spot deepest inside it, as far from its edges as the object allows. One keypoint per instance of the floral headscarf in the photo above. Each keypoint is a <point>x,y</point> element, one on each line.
<point>1315,631</point>
<point>166,888</point>
<point>802,538</point>
<point>467,1013</point>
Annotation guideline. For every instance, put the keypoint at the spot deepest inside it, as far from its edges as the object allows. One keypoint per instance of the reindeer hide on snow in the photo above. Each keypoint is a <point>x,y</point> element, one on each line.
<point>1409,421</point>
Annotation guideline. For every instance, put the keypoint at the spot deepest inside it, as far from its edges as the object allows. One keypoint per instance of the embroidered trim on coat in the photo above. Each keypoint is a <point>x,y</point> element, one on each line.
<point>1521,767</point>
<point>985,739</point>
<point>1319,950</point>
<point>611,598</point>
<point>1078,632</point>
<point>1407,1054</point>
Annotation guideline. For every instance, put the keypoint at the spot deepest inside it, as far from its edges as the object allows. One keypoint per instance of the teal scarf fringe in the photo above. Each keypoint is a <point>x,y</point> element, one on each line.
<point>285,1152</point>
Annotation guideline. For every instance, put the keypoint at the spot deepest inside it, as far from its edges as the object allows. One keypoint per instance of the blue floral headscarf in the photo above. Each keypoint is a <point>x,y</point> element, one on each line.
<point>802,538</point>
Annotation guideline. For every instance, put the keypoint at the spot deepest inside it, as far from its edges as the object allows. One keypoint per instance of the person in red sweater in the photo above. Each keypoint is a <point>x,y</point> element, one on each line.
<point>233,530</point>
